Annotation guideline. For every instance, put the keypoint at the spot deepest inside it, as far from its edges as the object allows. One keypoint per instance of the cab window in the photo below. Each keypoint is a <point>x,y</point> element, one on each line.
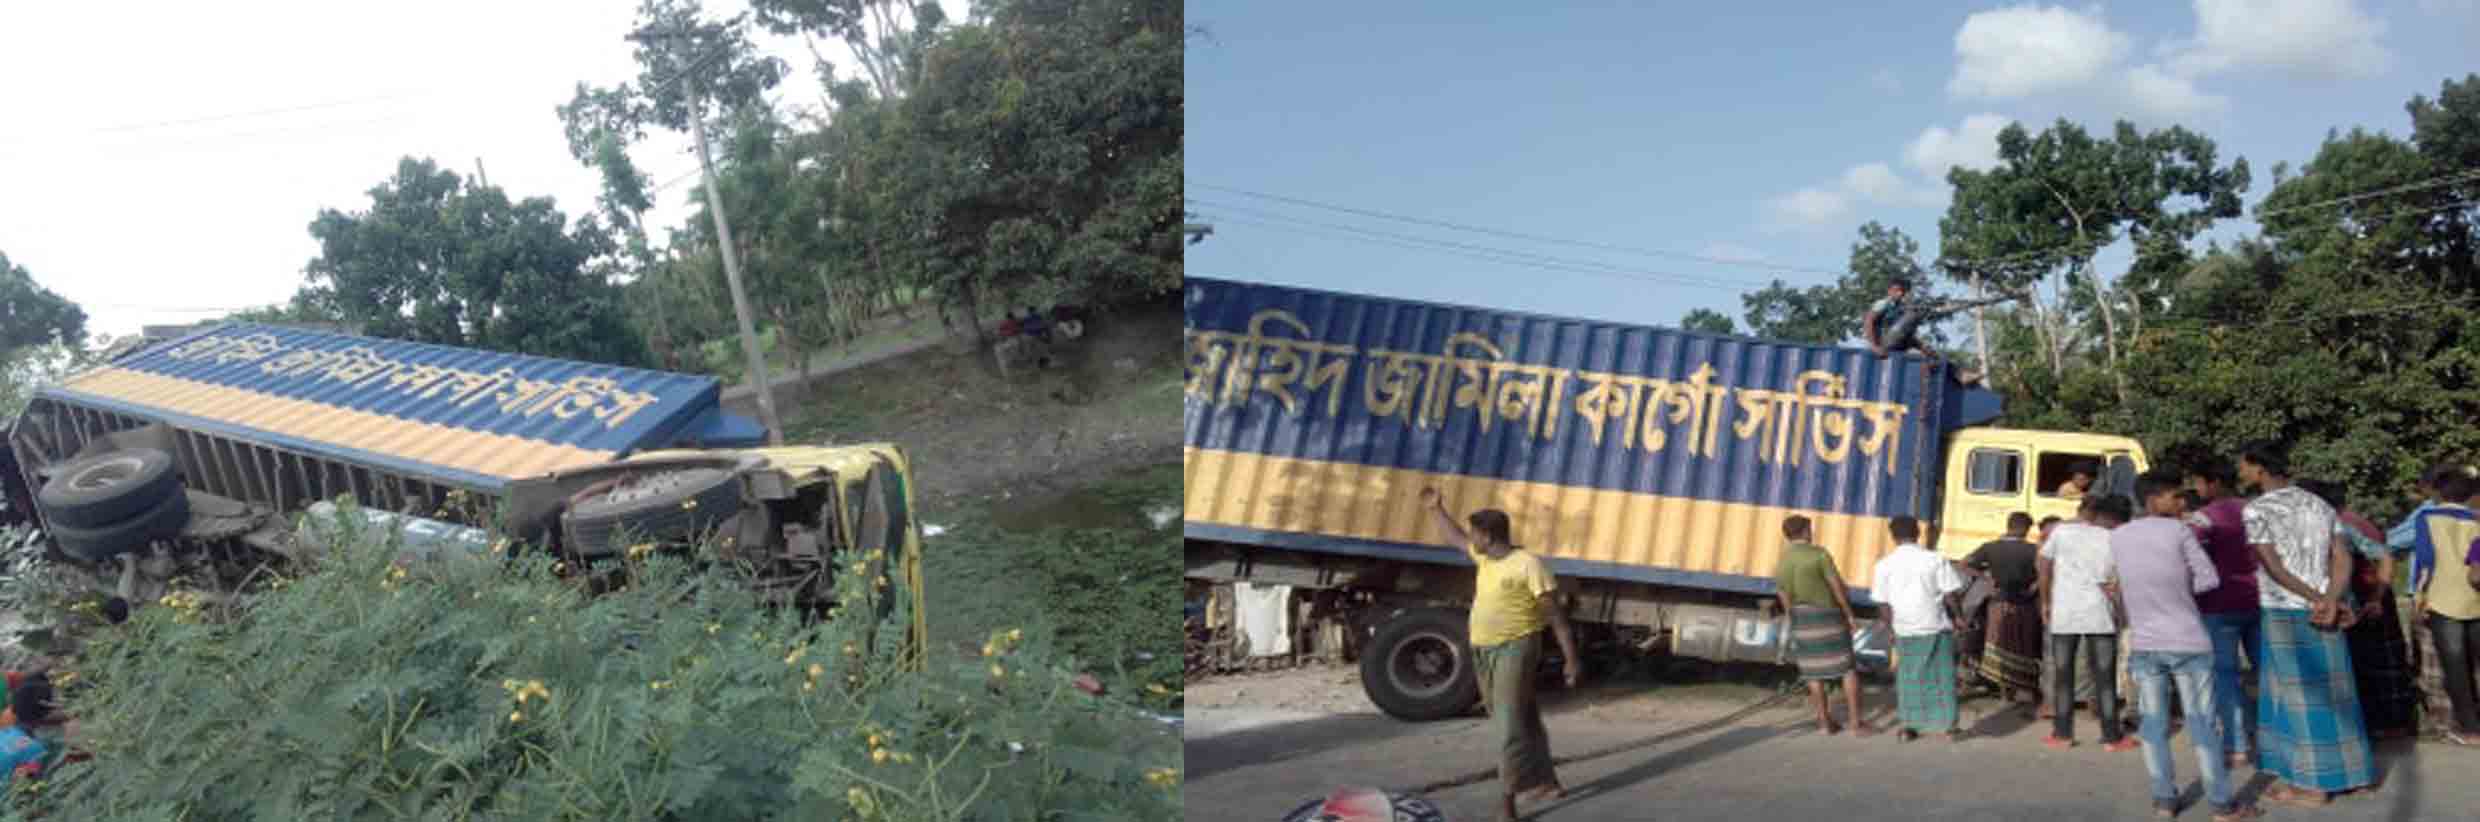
<point>2057,468</point>
<point>1995,472</point>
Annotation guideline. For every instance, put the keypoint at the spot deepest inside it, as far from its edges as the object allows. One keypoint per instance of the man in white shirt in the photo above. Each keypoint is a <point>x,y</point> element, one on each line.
<point>2075,562</point>
<point>1912,584</point>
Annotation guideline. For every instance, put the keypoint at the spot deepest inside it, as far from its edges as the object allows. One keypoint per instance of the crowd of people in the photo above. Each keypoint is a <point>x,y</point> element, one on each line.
<point>2182,592</point>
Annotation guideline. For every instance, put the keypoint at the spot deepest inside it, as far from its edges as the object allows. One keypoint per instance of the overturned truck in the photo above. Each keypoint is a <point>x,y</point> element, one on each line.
<point>197,455</point>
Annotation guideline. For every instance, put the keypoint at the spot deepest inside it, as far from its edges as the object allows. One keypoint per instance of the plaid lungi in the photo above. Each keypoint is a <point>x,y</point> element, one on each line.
<point>1820,643</point>
<point>2380,661</point>
<point>2309,730</point>
<point>2012,657</point>
<point>1925,681</point>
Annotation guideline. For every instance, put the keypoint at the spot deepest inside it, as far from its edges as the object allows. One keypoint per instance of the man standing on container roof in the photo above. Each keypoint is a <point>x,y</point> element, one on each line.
<point>1514,597</point>
<point>1893,324</point>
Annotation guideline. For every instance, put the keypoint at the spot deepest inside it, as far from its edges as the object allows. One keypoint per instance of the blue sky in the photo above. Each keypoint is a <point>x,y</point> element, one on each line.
<point>1749,132</point>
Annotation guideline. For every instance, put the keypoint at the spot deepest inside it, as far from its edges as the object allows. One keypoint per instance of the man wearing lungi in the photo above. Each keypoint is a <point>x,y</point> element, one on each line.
<point>1514,597</point>
<point>2309,731</point>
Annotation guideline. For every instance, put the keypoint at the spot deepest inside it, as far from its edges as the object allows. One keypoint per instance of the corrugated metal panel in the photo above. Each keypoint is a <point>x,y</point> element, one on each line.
<point>1314,419</point>
<point>456,416</point>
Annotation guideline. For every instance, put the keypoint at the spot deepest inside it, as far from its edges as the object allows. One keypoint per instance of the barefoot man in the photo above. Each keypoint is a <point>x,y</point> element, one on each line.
<point>1818,616</point>
<point>1514,597</point>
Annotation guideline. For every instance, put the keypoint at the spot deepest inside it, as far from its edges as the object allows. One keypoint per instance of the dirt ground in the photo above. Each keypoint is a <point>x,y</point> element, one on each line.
<point>1112,404</point>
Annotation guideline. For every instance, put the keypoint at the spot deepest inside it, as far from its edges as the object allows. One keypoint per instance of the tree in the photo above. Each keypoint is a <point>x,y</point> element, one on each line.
<point>1708,321</point>
<point>33,315</point>
<point>2058,198</point>
<point>435,259</point>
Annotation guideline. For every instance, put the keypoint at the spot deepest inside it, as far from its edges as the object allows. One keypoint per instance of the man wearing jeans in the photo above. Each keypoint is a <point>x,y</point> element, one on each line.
<point>2159,570</point>
<point>2073,565</point>
<point>2230,615</point>
<point>2450,606</point>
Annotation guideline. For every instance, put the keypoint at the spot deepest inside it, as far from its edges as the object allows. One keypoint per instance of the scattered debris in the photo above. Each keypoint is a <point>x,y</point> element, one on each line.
<point>929,530</point>
<point>1089,684</point>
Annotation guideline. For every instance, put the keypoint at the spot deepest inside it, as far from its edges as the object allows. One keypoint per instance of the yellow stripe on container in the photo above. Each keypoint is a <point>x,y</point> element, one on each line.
<point>1271,493</point>
<point>480,452</point>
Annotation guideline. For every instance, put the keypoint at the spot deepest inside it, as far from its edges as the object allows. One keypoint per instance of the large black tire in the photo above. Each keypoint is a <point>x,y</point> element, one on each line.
<point>667,507</point>
<point>1419,667</point>
<point>108,489</point>
<point>164,521</point>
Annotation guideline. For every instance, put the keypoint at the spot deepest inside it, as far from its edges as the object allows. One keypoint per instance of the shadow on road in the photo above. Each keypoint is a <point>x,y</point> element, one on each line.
<point>1283,741</point>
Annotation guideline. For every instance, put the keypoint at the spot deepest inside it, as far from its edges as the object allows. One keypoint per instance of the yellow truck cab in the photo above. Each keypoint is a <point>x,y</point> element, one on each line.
<point>1993,472</point>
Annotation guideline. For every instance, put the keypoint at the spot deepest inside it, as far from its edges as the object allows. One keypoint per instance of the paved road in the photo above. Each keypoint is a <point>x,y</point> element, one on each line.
<point>1750,765</point>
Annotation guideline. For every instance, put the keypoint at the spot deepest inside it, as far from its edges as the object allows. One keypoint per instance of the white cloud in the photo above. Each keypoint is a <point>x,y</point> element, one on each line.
<point>1878,183</point>
<point>1809,207</point>
<point>2161,94</point>
<point>1973,144</point>
<point>2320,39</point>
<point>1732,252</point>
<point>2032,49</point>
<point>1887,81</point>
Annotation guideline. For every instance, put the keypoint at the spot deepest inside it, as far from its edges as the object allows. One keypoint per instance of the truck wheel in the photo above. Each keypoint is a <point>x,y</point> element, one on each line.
<point>1419,668</point>
<point>103,491</point>
<point>164,521</point>
<point>665,507</point>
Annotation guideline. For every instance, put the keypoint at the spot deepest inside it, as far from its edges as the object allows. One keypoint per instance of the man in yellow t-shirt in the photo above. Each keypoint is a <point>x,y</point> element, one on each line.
<point>1514,597</point>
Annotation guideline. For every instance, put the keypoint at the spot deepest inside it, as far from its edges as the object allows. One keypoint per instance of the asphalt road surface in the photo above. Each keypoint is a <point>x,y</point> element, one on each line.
<point>1649,758</point>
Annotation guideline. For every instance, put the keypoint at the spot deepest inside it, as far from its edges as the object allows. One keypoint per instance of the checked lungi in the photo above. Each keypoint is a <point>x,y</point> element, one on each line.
<point>1925,682</point>
<point>2309,730</point>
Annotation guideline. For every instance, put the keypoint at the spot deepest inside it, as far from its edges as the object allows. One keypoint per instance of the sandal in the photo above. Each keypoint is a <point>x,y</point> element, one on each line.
<point>2288,795</point>
<point>2237,814</point>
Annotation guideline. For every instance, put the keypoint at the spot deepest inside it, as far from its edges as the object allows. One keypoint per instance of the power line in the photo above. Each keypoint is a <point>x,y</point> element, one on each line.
<point>1487,254</point>
<point>1517,235</point>
<point>2467,175</point>
<point>214,118</point>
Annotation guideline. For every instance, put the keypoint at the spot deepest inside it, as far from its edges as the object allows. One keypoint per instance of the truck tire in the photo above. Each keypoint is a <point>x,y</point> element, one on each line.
<point>109,489</point>
<point>1419,667</point>
<point>164,521</point>
<point>665,507</point>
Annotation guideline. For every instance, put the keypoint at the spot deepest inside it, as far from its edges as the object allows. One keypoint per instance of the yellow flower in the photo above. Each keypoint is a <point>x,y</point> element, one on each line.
<point>1165,777</point>
<point>989,649</point>
<point>809,686</point>
<point>516,716</point>
<point>713,628</point>
<point>875,741</point>
<point>1016,635</point>
<point>815,669</point>
<point>995,670</point>
<point>851,649</point>
<point>879,756</point>
<point>1156,688</point>
<point>904,758</point>
<point>640,550</point>
<point>661,684</point>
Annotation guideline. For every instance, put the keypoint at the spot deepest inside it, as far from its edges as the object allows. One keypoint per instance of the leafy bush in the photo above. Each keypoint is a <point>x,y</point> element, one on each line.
<point>364,690</point>
<point>1107,595</point>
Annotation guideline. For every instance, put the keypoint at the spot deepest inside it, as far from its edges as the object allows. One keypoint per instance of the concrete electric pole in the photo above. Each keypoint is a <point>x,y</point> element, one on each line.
<point>764,387</point>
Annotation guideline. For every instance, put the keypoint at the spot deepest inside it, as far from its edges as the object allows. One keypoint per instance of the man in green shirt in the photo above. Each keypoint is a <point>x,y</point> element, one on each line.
<point>1818,617</point>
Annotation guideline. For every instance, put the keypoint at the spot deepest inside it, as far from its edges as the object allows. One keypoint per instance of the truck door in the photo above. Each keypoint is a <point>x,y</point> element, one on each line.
<point>2050,475</point>
<point>1993,479</point>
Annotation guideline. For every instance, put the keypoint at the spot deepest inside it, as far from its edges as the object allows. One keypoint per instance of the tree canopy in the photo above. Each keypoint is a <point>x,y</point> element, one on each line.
<point>437,259</point>
<point>32,315</point>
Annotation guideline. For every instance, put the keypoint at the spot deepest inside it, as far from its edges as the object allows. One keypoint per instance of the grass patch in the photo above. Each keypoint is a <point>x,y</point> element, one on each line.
<point>1105,587</point>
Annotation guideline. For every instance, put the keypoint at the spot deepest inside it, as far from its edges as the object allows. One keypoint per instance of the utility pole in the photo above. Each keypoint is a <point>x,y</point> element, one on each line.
<point>731,256</point>
<point>481,176</point>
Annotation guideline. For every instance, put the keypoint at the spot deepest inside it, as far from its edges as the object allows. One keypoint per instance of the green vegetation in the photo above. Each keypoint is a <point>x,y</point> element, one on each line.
<point>362,690</point>
<point>2349,327</point>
